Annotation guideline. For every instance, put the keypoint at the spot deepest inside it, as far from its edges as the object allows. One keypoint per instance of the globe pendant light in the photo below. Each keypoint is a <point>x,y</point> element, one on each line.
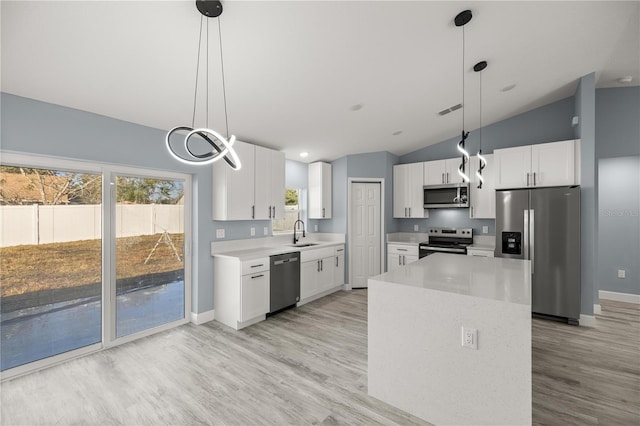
<point>220,147</point>
<point>482,162</point>
<point>461,20</point>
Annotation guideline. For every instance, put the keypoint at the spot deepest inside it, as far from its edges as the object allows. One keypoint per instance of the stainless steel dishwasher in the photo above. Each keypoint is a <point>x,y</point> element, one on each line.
<point>285,280</point>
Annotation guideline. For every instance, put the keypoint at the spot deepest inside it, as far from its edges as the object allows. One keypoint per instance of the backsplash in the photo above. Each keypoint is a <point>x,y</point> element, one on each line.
<point>447,218</point>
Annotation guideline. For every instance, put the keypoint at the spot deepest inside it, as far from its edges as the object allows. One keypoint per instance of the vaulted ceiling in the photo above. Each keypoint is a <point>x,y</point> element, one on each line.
<point>330,78</point>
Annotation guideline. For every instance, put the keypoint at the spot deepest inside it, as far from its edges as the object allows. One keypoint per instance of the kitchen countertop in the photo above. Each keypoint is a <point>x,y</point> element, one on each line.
<point>505,280</point>
<point>256,248</point>
<point>407,238</point>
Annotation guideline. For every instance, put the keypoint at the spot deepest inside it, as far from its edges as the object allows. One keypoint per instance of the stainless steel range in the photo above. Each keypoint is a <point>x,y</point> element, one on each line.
<point>446,240</point>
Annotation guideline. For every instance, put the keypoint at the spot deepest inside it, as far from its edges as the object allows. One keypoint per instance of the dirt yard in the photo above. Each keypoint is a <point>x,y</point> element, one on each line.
<point>30,268</point>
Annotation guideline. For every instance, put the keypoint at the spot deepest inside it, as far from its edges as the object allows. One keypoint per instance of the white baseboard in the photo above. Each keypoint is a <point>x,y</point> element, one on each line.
<point>619,297</point>
<point>202,317</point>
<point>587,320</point>
<point>597,309</point>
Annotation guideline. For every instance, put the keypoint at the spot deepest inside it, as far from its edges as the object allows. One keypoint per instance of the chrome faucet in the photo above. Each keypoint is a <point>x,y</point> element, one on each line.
<point>295,226</point>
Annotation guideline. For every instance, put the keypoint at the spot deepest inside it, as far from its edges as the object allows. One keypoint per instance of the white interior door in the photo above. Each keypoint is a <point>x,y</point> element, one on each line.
<point>365,232</point>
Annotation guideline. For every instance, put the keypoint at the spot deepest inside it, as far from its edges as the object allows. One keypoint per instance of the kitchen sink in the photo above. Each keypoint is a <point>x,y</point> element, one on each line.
<point>303,245</point>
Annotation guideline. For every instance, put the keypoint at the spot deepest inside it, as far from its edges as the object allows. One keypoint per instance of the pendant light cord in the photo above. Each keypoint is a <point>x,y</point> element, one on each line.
<point>224,90</point>
<point>480,112</point>
<point>207,80</point>
<point>463,104</point>
<point>195,92</point>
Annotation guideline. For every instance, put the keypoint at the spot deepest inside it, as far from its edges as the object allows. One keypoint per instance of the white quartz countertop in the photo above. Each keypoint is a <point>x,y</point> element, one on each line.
<point>507,280</point>
<point>407,238</point>
<point>256,248</point>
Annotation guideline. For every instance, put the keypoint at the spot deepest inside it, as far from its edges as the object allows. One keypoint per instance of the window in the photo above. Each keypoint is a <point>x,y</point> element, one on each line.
<point>293,210</point>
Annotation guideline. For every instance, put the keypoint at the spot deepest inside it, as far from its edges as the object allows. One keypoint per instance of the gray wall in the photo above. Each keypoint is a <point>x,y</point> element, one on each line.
<point>34,127</point>
<point>619,223</point>
<point>617,151</point>
<point>585,109</point>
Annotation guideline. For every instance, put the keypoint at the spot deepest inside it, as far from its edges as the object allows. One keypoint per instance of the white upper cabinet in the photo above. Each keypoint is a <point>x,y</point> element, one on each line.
<point>269,183</point>
<point>408,198</point>
<point>482,202</point>
<point>319,190</point>
<point>233,189</point>
<point>440,172</point>
<point>256,191</point>
<point>547,164</point>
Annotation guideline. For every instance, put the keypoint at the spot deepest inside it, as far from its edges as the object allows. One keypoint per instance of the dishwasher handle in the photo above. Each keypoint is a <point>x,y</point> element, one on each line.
<point>280,262</point>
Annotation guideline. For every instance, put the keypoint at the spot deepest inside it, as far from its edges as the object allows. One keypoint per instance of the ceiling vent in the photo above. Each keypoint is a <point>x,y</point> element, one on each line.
<point>450,109</point>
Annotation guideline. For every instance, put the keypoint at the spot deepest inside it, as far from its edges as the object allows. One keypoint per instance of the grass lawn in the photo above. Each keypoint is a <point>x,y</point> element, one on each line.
<point>31,268</point>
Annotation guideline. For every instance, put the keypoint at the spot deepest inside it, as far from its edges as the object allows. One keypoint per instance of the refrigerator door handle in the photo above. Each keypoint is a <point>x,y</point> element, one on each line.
<point>532,220</point>
<point>525,243</point>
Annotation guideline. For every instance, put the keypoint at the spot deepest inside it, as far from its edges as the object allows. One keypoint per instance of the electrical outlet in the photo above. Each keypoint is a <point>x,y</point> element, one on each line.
<point>219,233</point>
<point>266,231</point>
<point>416,228</point>
<point>622,273</point>
<point>470,338</point>
<point>253,232</point>
<point>485,229</point>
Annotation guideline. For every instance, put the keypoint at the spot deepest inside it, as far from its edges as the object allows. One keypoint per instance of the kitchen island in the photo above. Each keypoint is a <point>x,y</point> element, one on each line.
<point>417,361</point>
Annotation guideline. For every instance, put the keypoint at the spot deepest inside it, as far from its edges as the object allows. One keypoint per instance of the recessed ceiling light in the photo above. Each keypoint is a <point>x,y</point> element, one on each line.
<point>396,133</point>
<point>626,79</point>
<point>356,107</point>
<point>509,87</point>
<point>304,154</point>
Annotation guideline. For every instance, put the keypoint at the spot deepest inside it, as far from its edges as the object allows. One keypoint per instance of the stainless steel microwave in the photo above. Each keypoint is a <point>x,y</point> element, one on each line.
<point>446,196</point>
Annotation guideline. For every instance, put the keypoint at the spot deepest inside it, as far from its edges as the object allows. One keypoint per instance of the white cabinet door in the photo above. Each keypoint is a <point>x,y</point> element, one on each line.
<point>309,278</point>
<point>338,278</point>
<point>415,192</point>
<point>451,170</point>
<point>326,275</point>
<point>399,189</point>
<point>233,191</point>
<point>435,172</point>
<point>483,200</point>
<point>263,187</point>
<point>394,261</point>
<point>553,164</point>
<point>513,167</point>
<point>277,184</point>
<point>408,182</point>
<point>319,191</point>
<point>254,295</point>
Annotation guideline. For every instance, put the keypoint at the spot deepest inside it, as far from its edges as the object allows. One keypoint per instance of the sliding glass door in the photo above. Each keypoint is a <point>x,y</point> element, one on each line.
<point>91,256</point>
<point>50,263</point>
<point>149,264</point>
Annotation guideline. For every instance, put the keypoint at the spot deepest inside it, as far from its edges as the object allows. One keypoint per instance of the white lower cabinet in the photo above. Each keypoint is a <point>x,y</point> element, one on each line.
<point>399,255</point>
<point>320,272</point>
<point>241,291</point>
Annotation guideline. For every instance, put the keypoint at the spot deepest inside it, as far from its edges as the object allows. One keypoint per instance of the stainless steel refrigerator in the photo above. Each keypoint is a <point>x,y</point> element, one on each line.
<point>543,225</point>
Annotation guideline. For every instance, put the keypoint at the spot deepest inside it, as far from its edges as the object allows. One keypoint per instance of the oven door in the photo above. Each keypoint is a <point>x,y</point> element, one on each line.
<point>425,250</point>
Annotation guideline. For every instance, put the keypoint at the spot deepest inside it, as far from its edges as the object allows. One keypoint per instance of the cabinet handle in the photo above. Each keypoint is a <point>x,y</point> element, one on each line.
<point>318,265</point>
<point>322,265</point>
<point>403,260</point>
<point>442,177</point>
<point>340,250</point>
<point>527,179</point>
<point>274,212</point>
<point>399,260</point>
<point>257,276</point>
<point>409,211</point>
<point>534,178</point>
<point>447,177</point>
<point>336,261</point>
<point>405,212</point>
<point>402,249</point>
<point>269,212</point>
<point>257,266</point>
<point>253,212</point>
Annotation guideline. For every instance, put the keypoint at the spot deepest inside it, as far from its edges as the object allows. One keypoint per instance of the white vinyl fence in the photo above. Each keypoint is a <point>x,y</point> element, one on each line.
<point>38,224</point>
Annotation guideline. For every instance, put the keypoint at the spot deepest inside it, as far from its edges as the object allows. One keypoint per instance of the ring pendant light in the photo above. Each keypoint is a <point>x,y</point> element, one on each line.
<point>222,147</point>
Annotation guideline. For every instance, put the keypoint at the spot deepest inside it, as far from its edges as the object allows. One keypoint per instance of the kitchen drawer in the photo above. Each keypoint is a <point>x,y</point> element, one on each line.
<point>338,250</point>
<point>479,252</point>
<point>255,265</point>
<point>403,249</point>
<point>321,253</point>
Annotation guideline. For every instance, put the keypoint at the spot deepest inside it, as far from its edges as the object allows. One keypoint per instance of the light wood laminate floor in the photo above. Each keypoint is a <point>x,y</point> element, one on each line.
<point>308,366</point>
